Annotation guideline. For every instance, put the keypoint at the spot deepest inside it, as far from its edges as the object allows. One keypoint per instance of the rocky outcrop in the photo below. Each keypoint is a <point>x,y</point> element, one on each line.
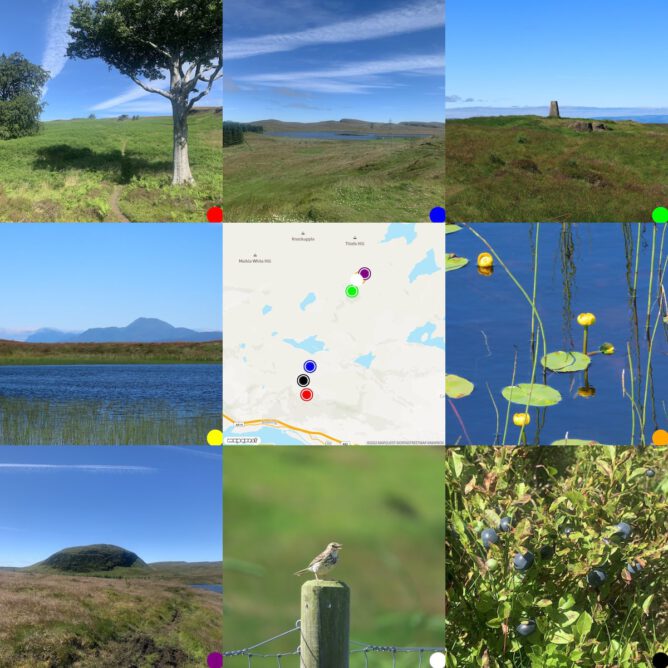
<point>554,109</point>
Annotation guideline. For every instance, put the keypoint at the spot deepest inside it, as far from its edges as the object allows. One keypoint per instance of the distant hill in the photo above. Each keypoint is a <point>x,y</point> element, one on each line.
<point>351,125</point>
<point>142,330</point>
<point>91,558</point>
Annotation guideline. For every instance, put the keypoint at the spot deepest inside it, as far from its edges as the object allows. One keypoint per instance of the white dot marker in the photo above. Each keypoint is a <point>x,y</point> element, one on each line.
<point>437,660</point>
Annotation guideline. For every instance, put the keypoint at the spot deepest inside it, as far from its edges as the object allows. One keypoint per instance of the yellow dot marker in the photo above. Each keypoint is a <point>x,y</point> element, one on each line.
<point>215,437</point>
<point>660,437</point>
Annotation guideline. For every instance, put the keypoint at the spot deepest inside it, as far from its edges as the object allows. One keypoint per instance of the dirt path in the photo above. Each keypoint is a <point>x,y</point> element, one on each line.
<point>116,214</point>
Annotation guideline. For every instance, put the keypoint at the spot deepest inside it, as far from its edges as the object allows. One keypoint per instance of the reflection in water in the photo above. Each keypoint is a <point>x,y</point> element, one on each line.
<point>615,271</point>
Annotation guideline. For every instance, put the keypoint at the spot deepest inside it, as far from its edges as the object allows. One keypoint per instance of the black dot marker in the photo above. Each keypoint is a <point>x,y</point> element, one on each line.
<point>303,380</point>
<point>660,660</point>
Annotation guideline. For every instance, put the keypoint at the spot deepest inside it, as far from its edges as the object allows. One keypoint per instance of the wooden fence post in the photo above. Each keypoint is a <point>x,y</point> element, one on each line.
<point>325,624</point>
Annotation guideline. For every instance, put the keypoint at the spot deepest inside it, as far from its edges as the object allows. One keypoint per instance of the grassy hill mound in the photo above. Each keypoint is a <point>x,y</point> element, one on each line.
<point>529,168</point>
<point>92,558</point>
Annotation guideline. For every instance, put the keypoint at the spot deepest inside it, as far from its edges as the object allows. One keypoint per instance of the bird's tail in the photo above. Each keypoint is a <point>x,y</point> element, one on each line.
<point>303,570</point>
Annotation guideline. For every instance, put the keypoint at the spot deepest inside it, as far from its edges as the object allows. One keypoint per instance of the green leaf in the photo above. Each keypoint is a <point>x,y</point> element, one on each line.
<point>560,637</point>
<point>647,603</point>
<point>583,625</point>
<point>457,387</point>
<point>451,228</point>
<point>532,395</point>
<point>544,603</point>
<point>566,603</point>
<point>457,462</point>
<point>453,262</point>
<point>564,362</point>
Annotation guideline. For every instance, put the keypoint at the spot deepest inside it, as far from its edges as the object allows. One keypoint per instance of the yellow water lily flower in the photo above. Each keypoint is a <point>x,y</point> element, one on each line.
<point>521,419</point>
<point>587,391</point>
<point>607,348</point>
<point>485,271</point>
<point>485,260</point>
<point>586,319</point>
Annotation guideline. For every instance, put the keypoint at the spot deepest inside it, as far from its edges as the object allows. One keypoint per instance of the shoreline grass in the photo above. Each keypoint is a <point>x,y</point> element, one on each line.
<point>17,353</point>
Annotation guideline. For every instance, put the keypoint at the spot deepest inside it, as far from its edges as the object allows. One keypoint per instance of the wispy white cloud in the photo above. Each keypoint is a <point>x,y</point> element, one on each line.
<point>55,51</point>
<point>409,18</point>
<point>133,93</point>
<point>89,468</point>
<point>360,77</point>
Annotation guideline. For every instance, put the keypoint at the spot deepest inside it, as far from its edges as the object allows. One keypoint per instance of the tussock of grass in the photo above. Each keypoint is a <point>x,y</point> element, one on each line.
<point>286,179</point>
<point>84,621</point>
<point>527,168</point>
<point>68,172</point>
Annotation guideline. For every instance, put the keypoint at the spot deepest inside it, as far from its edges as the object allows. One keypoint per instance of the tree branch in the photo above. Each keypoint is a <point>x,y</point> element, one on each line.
<point>214,76</point>
<point>164,52</point>
<point>150,89</point>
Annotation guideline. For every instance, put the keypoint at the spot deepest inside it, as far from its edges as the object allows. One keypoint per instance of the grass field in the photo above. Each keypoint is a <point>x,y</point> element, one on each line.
<point>19,353</point>
<point>285,179</point>
<point>87,622</point>
<point>109,170</point>
<point>529,169</point>
<point>283,505</point>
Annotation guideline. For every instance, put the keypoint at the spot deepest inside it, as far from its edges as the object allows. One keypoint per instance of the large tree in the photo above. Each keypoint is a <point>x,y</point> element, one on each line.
<point>152,40</point>
<point>21,85</point>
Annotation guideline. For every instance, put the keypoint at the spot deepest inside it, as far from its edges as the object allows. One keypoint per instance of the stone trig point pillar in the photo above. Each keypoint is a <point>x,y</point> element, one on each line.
<point>554,109</point>
<point>325,624</point>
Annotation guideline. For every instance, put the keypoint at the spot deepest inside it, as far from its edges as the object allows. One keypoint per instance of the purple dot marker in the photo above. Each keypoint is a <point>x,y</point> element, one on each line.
<point>215,660</point>
<point>365,273</point>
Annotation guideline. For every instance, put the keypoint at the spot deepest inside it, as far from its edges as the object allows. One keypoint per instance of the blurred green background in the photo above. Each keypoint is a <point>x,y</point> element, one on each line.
<point>282,505</point>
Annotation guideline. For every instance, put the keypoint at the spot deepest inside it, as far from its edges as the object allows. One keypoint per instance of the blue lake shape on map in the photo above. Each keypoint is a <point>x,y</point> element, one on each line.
<point>274,333</point>
<point>242,346</point>
<point>265,309</point>
<point>309,299</point>
<point>365,360</point>
<point>424,335</point>
<point>424,267</point>
<point>401,231</point>
<point>310,345</point>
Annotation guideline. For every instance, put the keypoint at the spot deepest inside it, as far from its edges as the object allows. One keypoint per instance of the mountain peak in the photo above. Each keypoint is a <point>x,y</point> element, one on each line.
<point>91,558</point>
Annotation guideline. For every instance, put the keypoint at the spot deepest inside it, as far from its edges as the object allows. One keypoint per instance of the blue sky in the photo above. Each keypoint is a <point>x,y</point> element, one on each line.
<point>163,503</point>
<point>38,30</point>
<point>584,54</point>
<point>73,276</point>
<point>310,60</point>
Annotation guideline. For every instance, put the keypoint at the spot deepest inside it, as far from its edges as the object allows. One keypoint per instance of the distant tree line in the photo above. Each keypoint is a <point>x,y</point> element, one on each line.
<point>21,85</point>
<point>233,133</point>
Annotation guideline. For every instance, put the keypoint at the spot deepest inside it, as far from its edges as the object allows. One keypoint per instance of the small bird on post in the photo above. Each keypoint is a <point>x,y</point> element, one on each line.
<point>324,562</point>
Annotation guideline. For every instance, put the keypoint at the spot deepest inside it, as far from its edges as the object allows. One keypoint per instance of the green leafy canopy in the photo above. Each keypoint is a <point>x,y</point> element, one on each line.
<point>143,38</point>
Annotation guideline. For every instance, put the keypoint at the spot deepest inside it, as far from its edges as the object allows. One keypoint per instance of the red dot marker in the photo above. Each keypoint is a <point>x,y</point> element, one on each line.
<point>215,215</point>
<point>306,394</point>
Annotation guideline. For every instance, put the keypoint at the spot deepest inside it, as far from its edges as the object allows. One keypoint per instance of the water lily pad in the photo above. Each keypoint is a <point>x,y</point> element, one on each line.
<point>574,441</point>
<point>531,395</point>
<point>457,387</point>
<point>451,228</point>
<point>564,362</point>
<point>453,262</point>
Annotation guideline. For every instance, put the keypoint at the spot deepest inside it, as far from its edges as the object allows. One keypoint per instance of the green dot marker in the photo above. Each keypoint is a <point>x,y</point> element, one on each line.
<point>660,214</point>
<point>352,291</point>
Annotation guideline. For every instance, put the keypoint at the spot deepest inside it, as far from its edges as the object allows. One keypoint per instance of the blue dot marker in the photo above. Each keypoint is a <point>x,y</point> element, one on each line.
<point>310,366</point>
<point>437,215</point>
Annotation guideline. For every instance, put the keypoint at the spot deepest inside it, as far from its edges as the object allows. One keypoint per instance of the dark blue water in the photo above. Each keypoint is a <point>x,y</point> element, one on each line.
<point>339,135</point>
<point>217,588</point>
<point>176,386</point>
<point>488,320</point>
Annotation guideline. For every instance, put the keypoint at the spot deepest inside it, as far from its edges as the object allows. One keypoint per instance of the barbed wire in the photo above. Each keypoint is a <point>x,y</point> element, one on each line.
<point>364,648</point>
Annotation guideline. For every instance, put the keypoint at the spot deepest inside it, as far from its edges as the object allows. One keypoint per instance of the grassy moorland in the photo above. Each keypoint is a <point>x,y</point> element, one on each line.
<point>62,620</point>
<point>110,171</point>
<point>287,179</point>
<point>18,353</point>
<point>529,169</point>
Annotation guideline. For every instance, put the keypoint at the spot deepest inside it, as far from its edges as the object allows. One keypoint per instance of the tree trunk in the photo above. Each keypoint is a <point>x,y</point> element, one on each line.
<point>182,174</point>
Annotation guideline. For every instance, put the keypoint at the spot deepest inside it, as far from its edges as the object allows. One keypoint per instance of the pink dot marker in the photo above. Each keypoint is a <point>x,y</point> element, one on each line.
<point>215,660</point>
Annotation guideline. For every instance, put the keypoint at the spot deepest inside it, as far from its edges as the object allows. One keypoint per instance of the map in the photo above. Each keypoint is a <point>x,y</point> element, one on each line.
<point>334,334</point>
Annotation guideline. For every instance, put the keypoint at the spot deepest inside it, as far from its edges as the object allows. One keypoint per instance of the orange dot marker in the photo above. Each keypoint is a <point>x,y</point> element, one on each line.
<point>660,437</point>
